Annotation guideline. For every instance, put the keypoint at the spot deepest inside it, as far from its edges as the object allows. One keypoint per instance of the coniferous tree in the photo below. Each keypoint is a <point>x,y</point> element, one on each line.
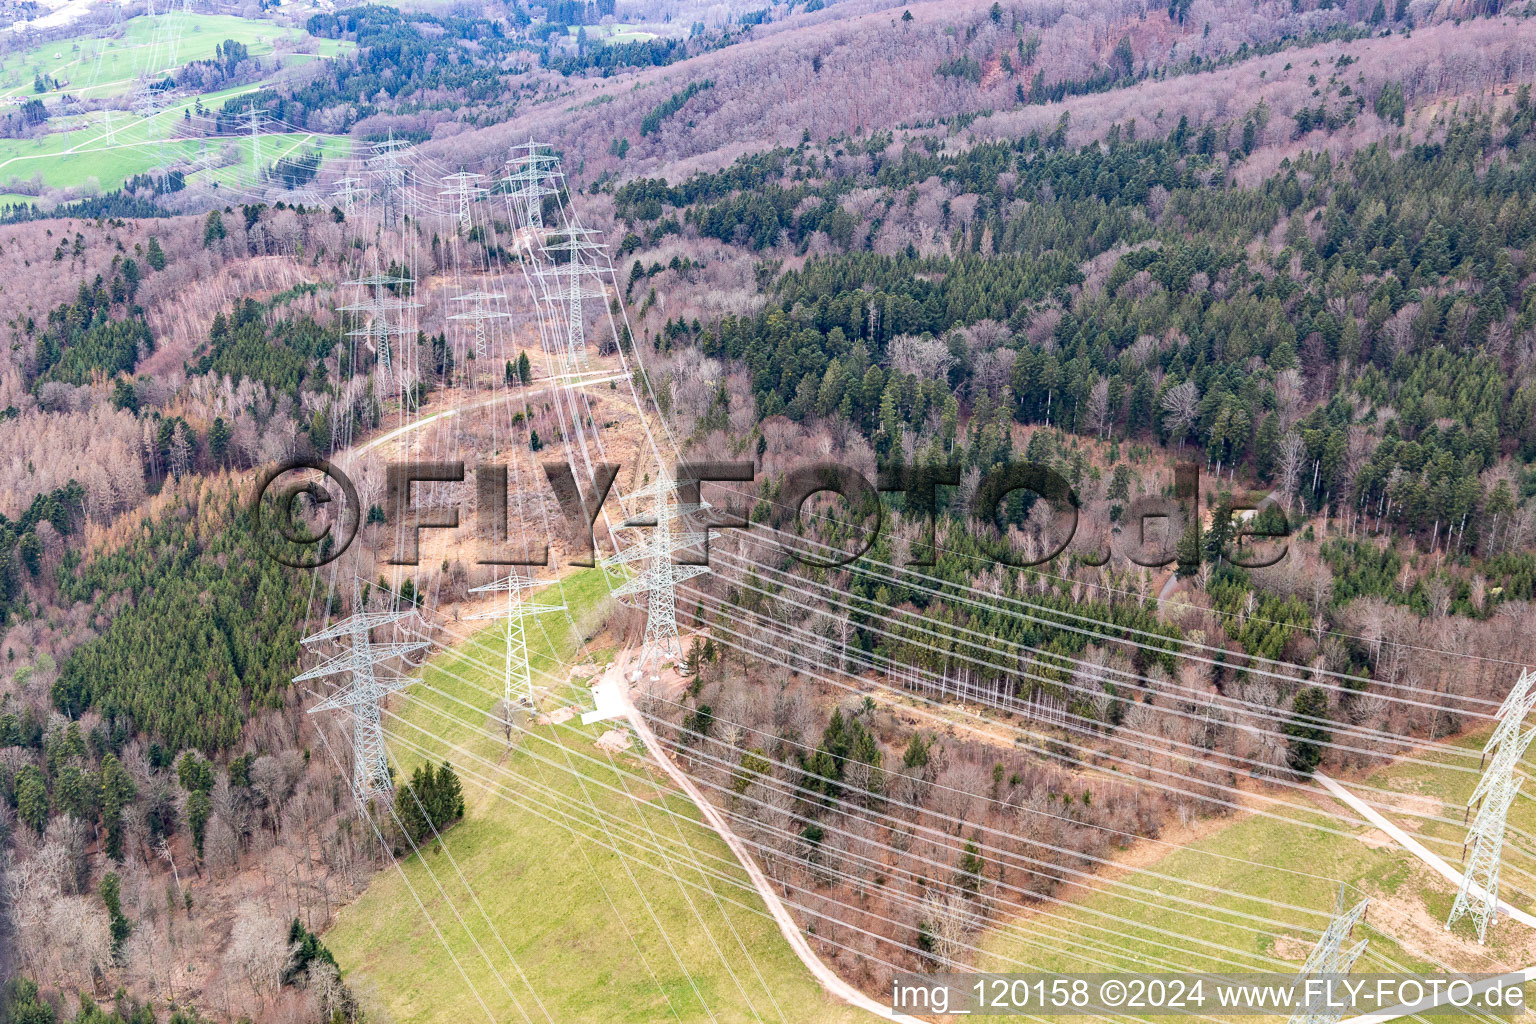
<point>1305,736</point>
<point>213,228</point>
<point>431,802</point>
<point>117,790</point>
<point>32,798</point>
<point>971,866</point>
<point>199,810</point>
<point>111,895</point>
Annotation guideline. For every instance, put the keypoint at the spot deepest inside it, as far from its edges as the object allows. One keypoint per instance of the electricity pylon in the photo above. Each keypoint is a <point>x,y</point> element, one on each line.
<point>1511,715</point>
<point>531,174</point>
<point>462,185</point>
<point>365,691</point>
<point>348,190</point>
<point>254,114</point>
<point>391,175</point>
<point>1496,790</point>
<point>571,276</point>
<point>144,98</point>
<point>517,680</point>
<point>477,314</point>
<point>175,34</point>
<point>659,579</point>
<point>1328,961</point>
<point>386,317</point>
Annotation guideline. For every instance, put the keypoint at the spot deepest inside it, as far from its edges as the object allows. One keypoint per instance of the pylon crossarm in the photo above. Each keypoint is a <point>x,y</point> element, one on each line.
<point>378,281</point>
<point>512,581</point>
<point>351,696</point>
<point>575,239</point>
<point>639,551</point>
<point>660,576</point>
<point>360,621</point>
<point>649,519</point>
<point>351,659</point>
<point>379,306</point>
<point>561,274</point>
<point>381,325</point>
<point>521,609</point>
<point>662,486</point>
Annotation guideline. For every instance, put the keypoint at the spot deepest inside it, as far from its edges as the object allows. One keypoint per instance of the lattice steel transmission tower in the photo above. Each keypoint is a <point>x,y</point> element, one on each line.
<point>660,577</point>
<point>386,317</point>
<point>477,315</point>
<point>532,174</point>
<point>143,98</point>
<point>1329,960</point>
<point>391,176</point>
<point>365,691</point>
<point>1483,851</point>
<point>254,114</point>
<point>573,274</point>
<point>461,185</point>
<point>517,681</point>
<point>349,190</point>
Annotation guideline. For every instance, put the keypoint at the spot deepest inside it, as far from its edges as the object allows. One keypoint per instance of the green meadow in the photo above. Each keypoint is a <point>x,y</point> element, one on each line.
<point>533,894</point>
<point>1266,888</point>
<point>106,147</point>
<point>103,148</point>
<point>95,66</point>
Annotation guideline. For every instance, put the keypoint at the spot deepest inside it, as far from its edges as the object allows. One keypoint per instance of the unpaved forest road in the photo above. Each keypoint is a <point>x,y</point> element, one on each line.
<point>615,683</point>
<point>441,414</point>
<point>1432,859</point>
<point>616,687</point>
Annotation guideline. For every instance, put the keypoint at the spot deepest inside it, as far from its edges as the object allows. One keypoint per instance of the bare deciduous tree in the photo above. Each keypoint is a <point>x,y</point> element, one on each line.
<point>1181,404</point>
<point>1293,453</point>
<point>1290,389</point>
<point>950,919</point>
<point>1098,406</point>
<point>258,950</point>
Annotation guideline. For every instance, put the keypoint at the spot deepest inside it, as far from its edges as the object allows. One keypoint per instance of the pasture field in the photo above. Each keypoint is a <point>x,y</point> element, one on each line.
<point>1252,893</point>
<point>103,148</point>
<point>616,33</point>
<point>94,66</point>
<point>598,927</point>
<point>106,147</point>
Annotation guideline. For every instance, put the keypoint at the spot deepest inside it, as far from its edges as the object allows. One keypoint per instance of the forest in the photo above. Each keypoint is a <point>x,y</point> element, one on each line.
<point>1412,313</point>
<point>188,684</point>
<point>1287,243</point>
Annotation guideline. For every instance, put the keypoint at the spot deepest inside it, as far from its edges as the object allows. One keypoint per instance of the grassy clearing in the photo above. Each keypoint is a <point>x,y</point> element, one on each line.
<point>1285,873</point>
<point>92,66</point>
<point>106,147</point>
<point>1444,792</point>
<point>103,148</point>
<point>273,148</point>
<point>615,33</point>
<point>580,919</point>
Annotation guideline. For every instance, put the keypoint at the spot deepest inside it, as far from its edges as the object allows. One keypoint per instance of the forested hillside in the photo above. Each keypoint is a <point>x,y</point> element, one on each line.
<point>1284,242</point>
